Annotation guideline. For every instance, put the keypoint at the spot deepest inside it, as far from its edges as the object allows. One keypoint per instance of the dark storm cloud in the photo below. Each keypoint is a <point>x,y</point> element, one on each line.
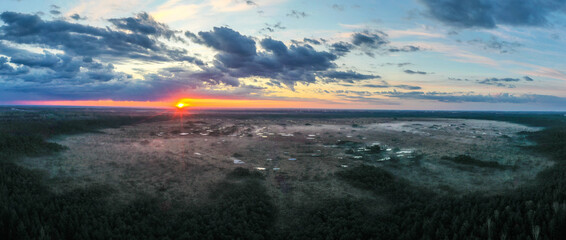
<point>347,76</point>
<point>490,13</point>
<point>415,72</point>
<point>48,67</point>
<point>225,40</point>
<point>83,40</point>
<point>46,60</point>
<point>297,56</point>
<point>143,23</point>
<point>81,68</point>
<point>297,14</point>
<point>238,57</point>
<point>496,44</point>
<point>76,62</point>
<point>341,48</point>
<point>8,70</point>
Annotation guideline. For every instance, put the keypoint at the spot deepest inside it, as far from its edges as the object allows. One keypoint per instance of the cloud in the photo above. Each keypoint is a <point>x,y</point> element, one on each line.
<point>77,17</point>
<point>496,44</point>
<point>251,3</point>
<point>504,82</point>
<point>76,62</point>
<point>55,12</point>
<point>143,23</point>
<point>48,67</point>
<point>7,70</point>
<point>297,14</point>
<point>502,79</point>
<point>490,13</point>
<point>414,72</point>
<point>458,79</point>
<point>347,76</point>
<point>225,40</point>
<point>311,41</point>
<point>405,49</point>
<point>272,27</point>
<point>238,57</point>
<point>541,71</point>
<point>338,7</point>
<point>83,40</point>
<point>396,64</point>
<point>407,87</point>
<point>341,48</point>
<point>370,42</point>
<point>368,39</point>
<point>387,85</point>
<point>359,93</point>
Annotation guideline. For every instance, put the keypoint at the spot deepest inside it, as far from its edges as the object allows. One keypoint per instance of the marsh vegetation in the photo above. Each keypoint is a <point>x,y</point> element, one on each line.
<point>86,174</point>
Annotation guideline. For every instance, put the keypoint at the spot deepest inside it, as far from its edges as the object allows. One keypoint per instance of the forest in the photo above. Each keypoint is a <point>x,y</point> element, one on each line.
<point>240,208</point>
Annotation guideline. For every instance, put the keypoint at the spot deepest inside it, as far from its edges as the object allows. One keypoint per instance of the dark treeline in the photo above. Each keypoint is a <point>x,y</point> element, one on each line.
<point>240,208</point>
<point>25,132</point>
<point>30,211</point>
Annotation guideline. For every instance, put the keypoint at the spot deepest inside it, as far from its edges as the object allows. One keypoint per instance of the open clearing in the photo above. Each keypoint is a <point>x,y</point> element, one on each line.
<point>180,160</point>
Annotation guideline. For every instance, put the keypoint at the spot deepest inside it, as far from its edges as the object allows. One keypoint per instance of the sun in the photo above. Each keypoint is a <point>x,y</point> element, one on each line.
<point>181,105</point>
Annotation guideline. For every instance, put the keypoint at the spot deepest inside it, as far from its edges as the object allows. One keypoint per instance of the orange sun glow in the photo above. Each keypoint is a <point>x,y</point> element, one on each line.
<point>181,105</point>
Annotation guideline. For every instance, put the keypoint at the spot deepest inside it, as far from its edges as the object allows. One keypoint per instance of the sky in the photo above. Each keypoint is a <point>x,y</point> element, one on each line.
<point>385,54</point>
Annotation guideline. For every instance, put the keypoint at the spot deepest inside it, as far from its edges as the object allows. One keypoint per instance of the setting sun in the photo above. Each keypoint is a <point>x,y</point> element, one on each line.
<point>181,105</point>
